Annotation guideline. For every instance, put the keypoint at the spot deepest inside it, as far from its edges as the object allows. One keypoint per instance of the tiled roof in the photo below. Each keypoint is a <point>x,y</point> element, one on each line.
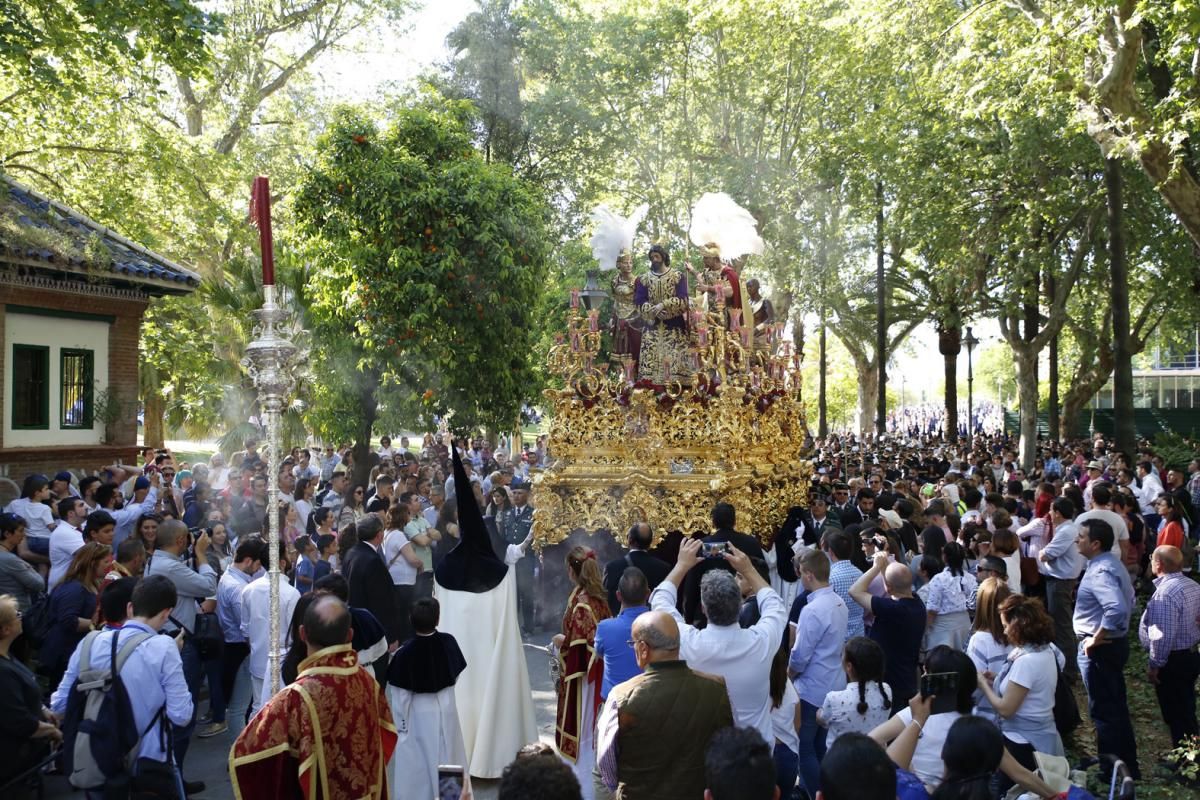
<point>61,238</point>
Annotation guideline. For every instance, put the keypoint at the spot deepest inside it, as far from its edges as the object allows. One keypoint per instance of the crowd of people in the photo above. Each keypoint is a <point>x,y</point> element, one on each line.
<point>913,630</point>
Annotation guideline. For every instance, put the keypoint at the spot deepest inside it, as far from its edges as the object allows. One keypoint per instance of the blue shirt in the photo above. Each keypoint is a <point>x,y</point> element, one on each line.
<point>816,659</point>
<point>612,644</point>
<point>1170,620</point>
<point>1105,598</point>
<point>153,674</point>
<point>843,575</point>
<point>128,516</point>
<point>229,602</point>
<point>305,569</point>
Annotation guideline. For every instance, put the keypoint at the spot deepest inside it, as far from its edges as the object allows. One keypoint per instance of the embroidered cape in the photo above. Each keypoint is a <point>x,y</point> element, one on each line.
<point>579,665</point>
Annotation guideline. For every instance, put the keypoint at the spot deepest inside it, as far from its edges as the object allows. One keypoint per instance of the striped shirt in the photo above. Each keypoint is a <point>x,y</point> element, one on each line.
<point>1169,622</point>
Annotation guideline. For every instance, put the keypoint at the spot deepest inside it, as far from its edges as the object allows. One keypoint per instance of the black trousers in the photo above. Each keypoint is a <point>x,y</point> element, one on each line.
<point>1176,692</point>
<point>405,594</point>
<point>231,661</point>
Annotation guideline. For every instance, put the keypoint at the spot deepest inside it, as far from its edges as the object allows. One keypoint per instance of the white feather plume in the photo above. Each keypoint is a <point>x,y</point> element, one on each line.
<point>717,219</point>
<point>614,233</point>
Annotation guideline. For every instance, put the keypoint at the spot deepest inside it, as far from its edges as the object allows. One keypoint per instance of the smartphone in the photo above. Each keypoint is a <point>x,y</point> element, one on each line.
<point>943,687</point>
<point>714,549</point>
<point>451,782</point>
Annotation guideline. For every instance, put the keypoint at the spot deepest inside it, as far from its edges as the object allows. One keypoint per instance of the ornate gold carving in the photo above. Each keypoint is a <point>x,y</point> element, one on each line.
<point>624,451</point>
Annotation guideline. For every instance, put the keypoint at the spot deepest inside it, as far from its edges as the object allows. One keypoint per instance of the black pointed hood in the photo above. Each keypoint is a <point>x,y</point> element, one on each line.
<point>472,566</point>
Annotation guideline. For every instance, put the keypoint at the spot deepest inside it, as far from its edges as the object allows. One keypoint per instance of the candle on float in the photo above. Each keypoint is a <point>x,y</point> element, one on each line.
<point>628,365</point>
<point>574,298</point>
<point>702,337</point>
<point>745,332</point>
<point>260,215</point>
<point>574,342</point>
<point>667,369</point>
<point>594,320</point>
<point>735,319</point>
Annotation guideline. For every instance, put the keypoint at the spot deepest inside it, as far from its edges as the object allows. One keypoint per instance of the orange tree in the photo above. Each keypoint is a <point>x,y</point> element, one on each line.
<point>426,267</point>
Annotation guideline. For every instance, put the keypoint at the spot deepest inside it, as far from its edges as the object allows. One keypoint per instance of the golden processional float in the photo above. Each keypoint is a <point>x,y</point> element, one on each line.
<point>728,427</point>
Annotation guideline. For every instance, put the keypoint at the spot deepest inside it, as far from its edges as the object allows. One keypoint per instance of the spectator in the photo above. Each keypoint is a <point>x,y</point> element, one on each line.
<point>66,538</point>
<point>842,575</point>
<point>192,586</point>
<point>18,578</point>
<point>1102,509</point>
<point>537,773</point>
<point>130,561</point>
<point>1060,563</point>
<point>613,635</point>
<point>370,639</point>
<point>785,722</point>
<point>72,606</point>
<point>724,517</point>
<point>857,768</point>
<point>220,551</point>
<point>370,583</point>
<point>145,500</point>
<point>353,508</point>
<point>866,702</point>
<point>1170,530</point>
<point>742,656</point>
<point>653,569</point>
<point>1102,610</point>
<point>403,565</point>
<point>1024,690</point>
<point>738,766</point>
<point>234,678</point>
<point>899,624</point>
<point>423,538</point>
<point>39,521</point>
<point>656,727</point>
<point>305,570</point>
<point>1169,630</point>
<point>816,659</point>
<point>146,530</point>
<point>27,729</point>
<point>250,514</point>
<point>950,598</point>
<point>972,754</point>
<point>256,625</point>
<point>114,603</point>
<point>988,647</point>
<point>1006,545</point>
<point>154,669</point>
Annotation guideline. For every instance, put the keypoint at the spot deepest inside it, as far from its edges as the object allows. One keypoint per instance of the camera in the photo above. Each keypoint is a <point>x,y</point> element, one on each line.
<point>714,549</point>
<point>943,688</point>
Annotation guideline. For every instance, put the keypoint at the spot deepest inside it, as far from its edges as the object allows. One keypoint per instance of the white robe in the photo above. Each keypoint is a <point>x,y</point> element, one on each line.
<point>428,735</point>
<point>494,698</point>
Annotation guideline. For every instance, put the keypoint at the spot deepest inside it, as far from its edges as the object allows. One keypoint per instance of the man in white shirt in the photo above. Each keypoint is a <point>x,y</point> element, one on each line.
<point>1102,509</point>
<point>1150,488</point>
<point>66,538</point>
<point>256,627</point>
<point>235,693</point>
<point>742,656</point>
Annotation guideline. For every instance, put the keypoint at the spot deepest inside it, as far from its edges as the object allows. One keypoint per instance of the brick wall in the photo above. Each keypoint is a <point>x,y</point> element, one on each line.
<point>16,463</point>
<point>122,375</point>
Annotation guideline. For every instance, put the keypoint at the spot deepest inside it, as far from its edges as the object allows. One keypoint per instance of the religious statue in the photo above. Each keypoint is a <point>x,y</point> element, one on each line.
<point>764,317</point>
<point>612,244</point>
<point>626,320</point>
<point>725,231</point>
<point>661,296</point>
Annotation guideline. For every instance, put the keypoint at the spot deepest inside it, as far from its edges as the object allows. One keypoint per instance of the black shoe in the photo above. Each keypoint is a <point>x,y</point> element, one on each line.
<point>193,787</point>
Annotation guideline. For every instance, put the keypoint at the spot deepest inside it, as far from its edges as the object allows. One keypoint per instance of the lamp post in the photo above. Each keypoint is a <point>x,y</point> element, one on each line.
<point>592,296</point>
<point>970,341</point>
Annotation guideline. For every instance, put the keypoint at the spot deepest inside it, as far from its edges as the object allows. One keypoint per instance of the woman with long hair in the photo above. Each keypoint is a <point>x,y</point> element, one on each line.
<point>146,529</point>
<point>220,551</point>
<point>581,672</point>
<point>785,722</point>
<point>447,526</point>
<point>1024,689</point>
<point>303,495</point>
<point>949,600</point>
<point>1005,545</point>
<point>988,646</point>
<point>972,754</point>
<point>72,605</point>
<point>1170,527</point>
<point>354,508</point>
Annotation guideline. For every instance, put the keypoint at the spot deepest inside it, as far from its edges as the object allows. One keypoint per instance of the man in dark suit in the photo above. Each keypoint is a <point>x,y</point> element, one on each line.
<point>655,570</point>
<point>723,518</point>
<point>369,580</point>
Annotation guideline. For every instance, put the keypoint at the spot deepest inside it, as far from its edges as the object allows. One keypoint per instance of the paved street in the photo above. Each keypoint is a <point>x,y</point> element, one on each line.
<point>208,758</point>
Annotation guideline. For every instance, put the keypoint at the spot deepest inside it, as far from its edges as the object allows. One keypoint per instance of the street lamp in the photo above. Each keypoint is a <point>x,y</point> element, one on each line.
<point>592,296</point>
<point>970,341</point>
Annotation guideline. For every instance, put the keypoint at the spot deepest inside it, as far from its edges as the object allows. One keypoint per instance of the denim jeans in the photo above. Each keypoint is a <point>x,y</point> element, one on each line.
<point>193,674</point>
<point>1104,678</point>
<point>786,766</point>
<point>812,748</point>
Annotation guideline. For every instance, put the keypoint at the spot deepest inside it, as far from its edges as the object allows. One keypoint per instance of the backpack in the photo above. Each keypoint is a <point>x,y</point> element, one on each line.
<point>38,620</point>
<point>100,736</point>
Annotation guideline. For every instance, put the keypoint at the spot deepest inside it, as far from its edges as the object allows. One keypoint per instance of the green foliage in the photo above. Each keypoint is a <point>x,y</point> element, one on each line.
<point>178,354</point>
<point>429,263</point>
<point>1176,451</point>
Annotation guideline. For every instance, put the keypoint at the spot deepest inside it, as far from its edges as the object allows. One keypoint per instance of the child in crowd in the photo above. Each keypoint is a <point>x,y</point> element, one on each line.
<point>866,701</point>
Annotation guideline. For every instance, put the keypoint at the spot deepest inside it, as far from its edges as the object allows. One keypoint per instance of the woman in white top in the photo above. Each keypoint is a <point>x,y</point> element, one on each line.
<point>403,563</point>
<point>866,702</point>
<point>785,721</point>
<point>1024,688</point>
<point>988,646</point>
<point>915,737</point>
<point>951,595</point>
<point>1006,545</point>
<point>303,495</point>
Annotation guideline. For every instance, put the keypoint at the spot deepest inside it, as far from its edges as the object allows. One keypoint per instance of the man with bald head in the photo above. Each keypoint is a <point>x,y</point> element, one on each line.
<point>330,733</point>
<point>899,624</point>
<point>1170,630</point>
<point>655,727</point>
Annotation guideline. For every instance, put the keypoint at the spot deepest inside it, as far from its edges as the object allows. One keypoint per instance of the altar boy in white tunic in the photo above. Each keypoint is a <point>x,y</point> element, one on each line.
<point>420,691</point>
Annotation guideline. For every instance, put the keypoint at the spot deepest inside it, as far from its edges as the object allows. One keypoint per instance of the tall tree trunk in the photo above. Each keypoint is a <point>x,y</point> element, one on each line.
<point>368,396</point>
<point>155,412</point>
<point>880,316</point>
<point>1125,431</point>
<point>822,377</point>
<point>1027,392</point>
<point>868,388</point>
<point>950,345</point>
<point>1055,424</point>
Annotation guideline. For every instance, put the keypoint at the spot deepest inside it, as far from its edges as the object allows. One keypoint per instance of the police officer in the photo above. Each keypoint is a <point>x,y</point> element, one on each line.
<point>513,527</point>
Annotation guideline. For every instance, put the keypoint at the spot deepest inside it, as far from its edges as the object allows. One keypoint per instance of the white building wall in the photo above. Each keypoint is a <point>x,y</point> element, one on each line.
<point>55,333</point>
